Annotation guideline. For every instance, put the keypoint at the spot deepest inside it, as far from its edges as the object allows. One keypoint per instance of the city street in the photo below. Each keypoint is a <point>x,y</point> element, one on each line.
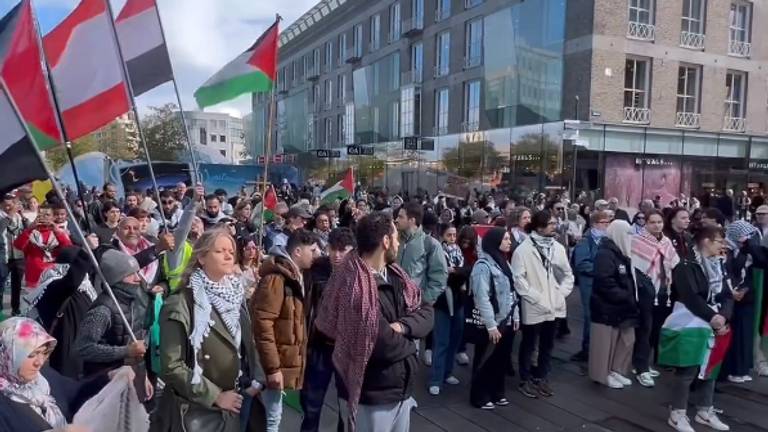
<point>578,404</point>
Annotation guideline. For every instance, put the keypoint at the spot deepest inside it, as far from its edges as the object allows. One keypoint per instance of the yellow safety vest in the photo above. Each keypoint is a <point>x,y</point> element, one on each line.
<point>174,275</point>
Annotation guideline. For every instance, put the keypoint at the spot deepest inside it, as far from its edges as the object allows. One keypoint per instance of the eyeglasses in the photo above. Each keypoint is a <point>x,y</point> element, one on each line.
<point>559,208</point>
<point>169,202</point>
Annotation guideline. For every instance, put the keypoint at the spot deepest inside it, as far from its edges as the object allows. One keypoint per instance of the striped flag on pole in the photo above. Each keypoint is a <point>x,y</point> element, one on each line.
<point>86,70</point>
<point>18,162</point>
<point>144,48</point>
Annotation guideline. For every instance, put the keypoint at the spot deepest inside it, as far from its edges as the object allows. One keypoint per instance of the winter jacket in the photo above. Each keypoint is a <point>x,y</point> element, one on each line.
<point>691,288</point>
<point>279,320</point>
<point>506,299</point>
<point>542,292</point>
<point>584,260</point>
<point>392,368</point>
<point>742,276</point>
<point>320,273</point>
<point>683,243</point>
<point>614,300</point>
<point>34,257</point>
<point>422,257</point>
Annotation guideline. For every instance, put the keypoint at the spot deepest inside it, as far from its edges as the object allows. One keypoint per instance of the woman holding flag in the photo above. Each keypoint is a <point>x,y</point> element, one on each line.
<point>695,337</point>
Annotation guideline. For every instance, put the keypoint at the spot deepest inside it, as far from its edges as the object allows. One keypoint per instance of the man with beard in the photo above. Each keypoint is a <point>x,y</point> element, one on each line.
<point>94,210</point>
<point>372,310</point>
<point>171,211</point>
<point>317,375</point>
<point>213,215</point>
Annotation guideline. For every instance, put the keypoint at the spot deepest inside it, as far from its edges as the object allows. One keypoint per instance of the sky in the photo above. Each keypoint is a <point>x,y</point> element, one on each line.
<point>202,36</point>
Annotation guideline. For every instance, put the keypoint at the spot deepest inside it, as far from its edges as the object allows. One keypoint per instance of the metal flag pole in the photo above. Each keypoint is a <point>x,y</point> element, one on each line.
<point>71,214</point>
<point>135,110</point>
<point>195,173</point>
<point>60,120</point>
<point>267,156</point>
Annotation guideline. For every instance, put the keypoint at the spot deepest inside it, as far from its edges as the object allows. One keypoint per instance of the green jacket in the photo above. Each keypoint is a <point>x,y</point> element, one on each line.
<point>422,257</point>
<point>218,357</point>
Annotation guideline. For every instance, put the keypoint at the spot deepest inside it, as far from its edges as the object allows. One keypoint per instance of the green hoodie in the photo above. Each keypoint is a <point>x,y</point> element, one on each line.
<point>423,259</point>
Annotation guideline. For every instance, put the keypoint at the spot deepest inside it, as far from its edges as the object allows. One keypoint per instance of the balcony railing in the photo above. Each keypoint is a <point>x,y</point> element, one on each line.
<point>734,124</point>
<point>473,61</point>
<point>413,26</point>
<point>411,77</point>
<point>442,14</point>
<point>637,115</point>
<point>692,40</point>
<point>688,120</point>
<point>739,48</point>
<point>441,70</point>
<point>470,126</point>
<point>440,130</point>
<point>641,31</point>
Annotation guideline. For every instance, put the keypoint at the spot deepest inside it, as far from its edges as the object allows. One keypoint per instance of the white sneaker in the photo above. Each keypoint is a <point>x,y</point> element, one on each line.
<point>622,379</point>
<point>654,373</point>
<point>428,357</point>
<point>614,383</point>
<point>762,369</point>
<point>747,378</point>
<point>707,417</point>
<point>434,390</point>
<point>736,379</point>
<point>645,379</point>
<point>452,380</point>
<point>462,358</point>
<point>680,421</point>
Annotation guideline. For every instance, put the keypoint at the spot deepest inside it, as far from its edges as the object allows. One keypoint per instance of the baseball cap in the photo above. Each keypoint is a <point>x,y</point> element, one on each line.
<point>298,211</point>
<point>763,209</point>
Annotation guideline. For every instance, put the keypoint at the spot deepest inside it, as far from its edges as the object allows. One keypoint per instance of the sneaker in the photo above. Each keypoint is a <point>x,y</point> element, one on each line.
<point>645,379</point>
<point>434,390</point>
<point>428,357</point>
<point>621,378</point>
<point>680,421</point>
<point>762,369</point>
<point>462,359</point>
<point>747,378</point>
<point>654,373</point>
<point>707,417</point>
<point>736,379</point>
<point>489,406</point>
<point>544,389</point>
<point>502,402</point>
<point>452,380</point>
<point>613,383</point>
<point>528,389</point>
<point>581,356</point>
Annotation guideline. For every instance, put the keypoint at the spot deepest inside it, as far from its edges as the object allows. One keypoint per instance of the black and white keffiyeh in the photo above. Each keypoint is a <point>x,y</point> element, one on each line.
<point>226,297</point>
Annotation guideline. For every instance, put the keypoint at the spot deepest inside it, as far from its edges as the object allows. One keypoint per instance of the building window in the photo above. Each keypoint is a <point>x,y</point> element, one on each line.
<point>735,100</point>
<point>328,132</point>
<point>357,40</point>
<point>417,13</point>
<point>222,138</point>
<point>306,65</point>
<point>443,50</point>
<point>394,22</point>
<point>396,119</point>
<point>203,136</point>
<point>441,111</point>
<point>328,56</point>
<point>340,128</point>
<point>349,124</point>
<point>473,45</point>
<point>316,61</point>
<point>409,109</point>
<point>375,32</point>
<point>328,93</point>
<point>417,61</point>
<point>469,4</point>
<point>641,20</point>
<point>443,10</point>
<point>342,48</point>
<point>471,106</point>
<point>213,137</point>
<point>636,85</point>
<point>739,26</point>
<point>222,124</point>
<point>341,87</point>
<point>692,31</point>
<point>688,91</point>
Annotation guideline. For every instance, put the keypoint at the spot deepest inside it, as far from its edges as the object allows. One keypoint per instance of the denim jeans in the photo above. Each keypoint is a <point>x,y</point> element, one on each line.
<point>245,411</point>
<point>273,404</point>
<point>317,377</point>
<point>448,332</point>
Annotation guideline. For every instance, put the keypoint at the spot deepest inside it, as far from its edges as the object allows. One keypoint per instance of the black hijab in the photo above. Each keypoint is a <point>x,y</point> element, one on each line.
<point>490,245</point>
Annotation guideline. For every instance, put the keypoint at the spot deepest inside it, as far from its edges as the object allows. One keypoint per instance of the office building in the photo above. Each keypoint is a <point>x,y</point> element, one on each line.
<point>218,137</point>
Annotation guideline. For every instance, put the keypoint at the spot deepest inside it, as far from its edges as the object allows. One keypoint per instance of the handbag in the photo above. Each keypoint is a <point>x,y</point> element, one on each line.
<point>474,328</point>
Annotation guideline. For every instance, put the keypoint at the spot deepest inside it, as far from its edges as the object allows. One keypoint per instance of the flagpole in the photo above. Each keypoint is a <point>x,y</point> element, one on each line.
<point>61,196</point>
<point>60,120</point>
<point>267,151</point>
<point>195,172</point>
<point>127,79</point>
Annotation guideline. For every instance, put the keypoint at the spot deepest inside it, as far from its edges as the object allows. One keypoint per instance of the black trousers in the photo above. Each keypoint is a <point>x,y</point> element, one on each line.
<point>545,334</point>
<point>489,369</point>
<point>641,355</point>
<point>16,272</point>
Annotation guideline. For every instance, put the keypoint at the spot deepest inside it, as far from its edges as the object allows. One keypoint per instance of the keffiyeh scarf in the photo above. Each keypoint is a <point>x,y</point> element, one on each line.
<point>148,272</point>
<point>226,297</point>
<point>20,337</point>
<point>713,270</point>
<point>453,255</point>
<point>48,245</point>
<point>649,255</point>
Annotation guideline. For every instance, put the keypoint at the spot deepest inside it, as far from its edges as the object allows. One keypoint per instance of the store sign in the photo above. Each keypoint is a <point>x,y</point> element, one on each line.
<point>358,150</point>
<point>328,154</point>
<point>526,157</point>
<point>653,161</point>
<point>758,165</point>
<point>411,143</point>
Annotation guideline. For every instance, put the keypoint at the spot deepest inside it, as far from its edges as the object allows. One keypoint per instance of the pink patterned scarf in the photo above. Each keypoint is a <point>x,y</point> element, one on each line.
<point>648,253</point>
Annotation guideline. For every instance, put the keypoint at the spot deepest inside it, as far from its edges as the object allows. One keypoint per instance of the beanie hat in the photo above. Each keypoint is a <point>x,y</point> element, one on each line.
<point>116,265</point>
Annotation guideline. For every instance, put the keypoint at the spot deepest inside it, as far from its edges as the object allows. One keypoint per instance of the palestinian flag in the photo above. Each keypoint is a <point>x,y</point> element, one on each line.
<point>25,80</point>
<point>687,340</point>
<point>253,71</point>
<point>761,314</point>
<point>270,202</point>
<point>340,191</point>
<point>19,163</point>
<point>143,45</point>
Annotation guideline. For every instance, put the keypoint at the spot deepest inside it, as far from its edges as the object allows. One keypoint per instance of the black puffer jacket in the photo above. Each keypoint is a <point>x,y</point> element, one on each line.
<point>614,295</point>
<point>392,368</point>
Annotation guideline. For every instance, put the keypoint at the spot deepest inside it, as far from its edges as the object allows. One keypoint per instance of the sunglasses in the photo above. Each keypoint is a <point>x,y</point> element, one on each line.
<point>168,202</point>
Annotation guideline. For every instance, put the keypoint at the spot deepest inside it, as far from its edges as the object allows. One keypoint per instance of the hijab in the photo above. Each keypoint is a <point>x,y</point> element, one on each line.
<point>490,246</point>
<point>621,232</point>
<point>20,337</point>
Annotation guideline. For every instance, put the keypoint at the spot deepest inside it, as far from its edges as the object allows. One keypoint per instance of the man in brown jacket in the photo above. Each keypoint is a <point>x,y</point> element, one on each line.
<point>279,327</point>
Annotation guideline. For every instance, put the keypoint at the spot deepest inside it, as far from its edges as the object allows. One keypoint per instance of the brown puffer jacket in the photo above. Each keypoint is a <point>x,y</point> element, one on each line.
<point>277,308</point>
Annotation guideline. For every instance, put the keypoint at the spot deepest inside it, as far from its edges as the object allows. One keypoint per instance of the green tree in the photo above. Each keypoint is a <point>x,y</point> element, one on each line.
<point>472,159</point>
<point>164,133</point>
<point>57,157</point>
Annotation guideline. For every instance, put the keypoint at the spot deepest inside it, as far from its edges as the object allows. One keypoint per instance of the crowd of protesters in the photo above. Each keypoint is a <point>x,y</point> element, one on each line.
<point>221,306</point>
